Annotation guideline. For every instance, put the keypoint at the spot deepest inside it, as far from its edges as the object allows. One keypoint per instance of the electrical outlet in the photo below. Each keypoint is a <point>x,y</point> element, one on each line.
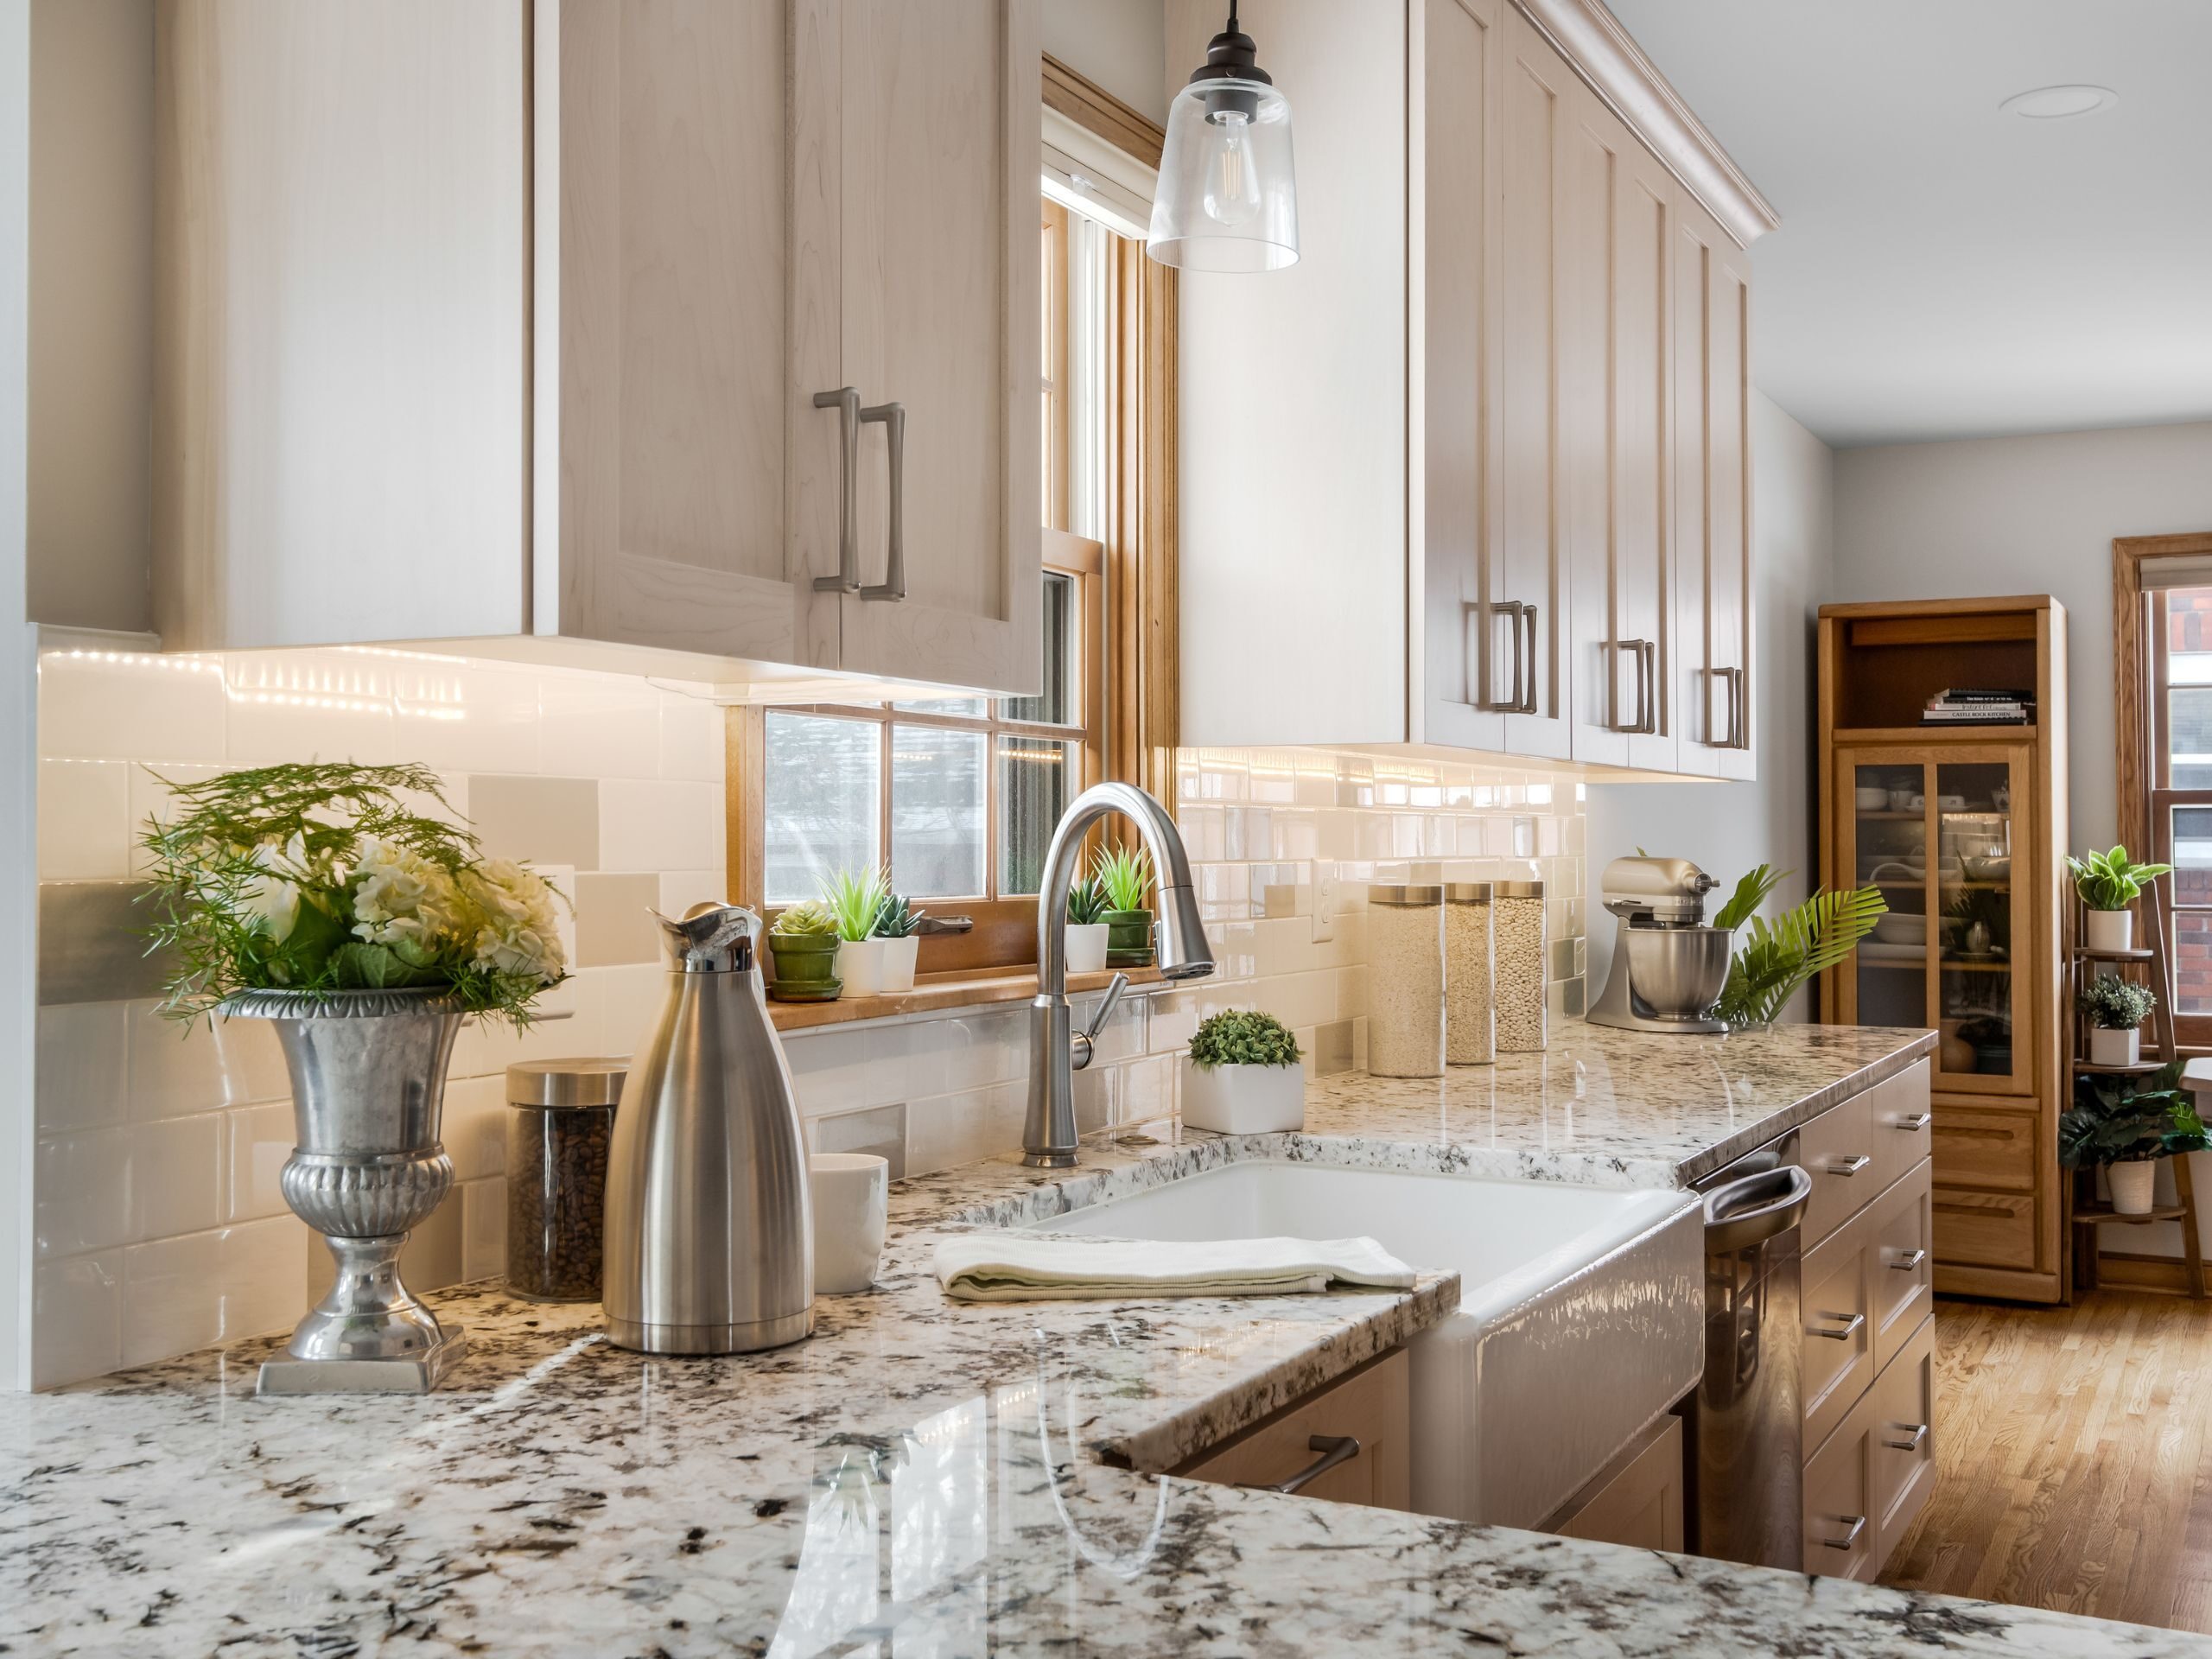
<point>1324,903</point>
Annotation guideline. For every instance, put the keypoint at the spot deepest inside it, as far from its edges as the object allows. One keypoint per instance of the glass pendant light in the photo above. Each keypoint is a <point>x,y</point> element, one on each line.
<point>1228,199</point>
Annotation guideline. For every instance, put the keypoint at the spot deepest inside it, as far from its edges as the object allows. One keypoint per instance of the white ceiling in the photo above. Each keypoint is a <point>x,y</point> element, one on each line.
<point>1943,270</point>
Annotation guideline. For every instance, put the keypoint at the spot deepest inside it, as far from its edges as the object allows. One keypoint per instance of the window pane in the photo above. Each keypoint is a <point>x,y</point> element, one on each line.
<point>1036,778</point>
<point>820,800</point>
<point>965,708</point>
<point>938,835</point>
<point>1056,704</point>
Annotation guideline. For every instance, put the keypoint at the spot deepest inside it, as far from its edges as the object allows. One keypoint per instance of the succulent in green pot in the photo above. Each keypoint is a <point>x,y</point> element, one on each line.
<point>1125,874</point>
<point>2108,883</point>
<point>1243,1075</point>
<point>1087,930</point>
<point>804,942</point>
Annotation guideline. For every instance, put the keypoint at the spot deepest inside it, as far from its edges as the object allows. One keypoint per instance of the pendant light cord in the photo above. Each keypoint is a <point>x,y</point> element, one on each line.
<point>1232,18</point>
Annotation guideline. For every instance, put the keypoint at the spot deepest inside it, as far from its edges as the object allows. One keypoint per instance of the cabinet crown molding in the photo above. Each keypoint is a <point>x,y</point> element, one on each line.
<point>1591,38</point>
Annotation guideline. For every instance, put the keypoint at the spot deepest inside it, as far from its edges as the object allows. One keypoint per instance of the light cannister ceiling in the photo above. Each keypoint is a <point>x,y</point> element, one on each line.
<point>2057,103</point>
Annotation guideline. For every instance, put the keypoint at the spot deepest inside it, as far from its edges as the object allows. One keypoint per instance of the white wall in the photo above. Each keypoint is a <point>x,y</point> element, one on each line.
<point>1120,44</point>
<point>2025,515</point>
<point>1727,828</point>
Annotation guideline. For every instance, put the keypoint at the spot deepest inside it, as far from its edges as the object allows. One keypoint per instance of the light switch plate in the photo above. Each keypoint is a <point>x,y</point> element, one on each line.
<point>1324,903</point>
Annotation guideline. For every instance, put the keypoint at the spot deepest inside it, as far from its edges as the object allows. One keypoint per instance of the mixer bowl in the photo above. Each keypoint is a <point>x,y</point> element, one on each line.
<point>1677,972</point>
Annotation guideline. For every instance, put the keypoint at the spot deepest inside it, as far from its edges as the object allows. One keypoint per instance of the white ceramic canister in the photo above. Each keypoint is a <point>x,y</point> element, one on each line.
<point>1517,918</point>
<point>1405,978</point>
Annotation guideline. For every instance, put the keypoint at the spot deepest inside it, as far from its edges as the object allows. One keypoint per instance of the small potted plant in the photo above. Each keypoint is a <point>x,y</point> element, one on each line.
<point>897,929</point>
<point>804,942</point>
<point>1243,1076</point>
<point>1126,877</point>
<point>2109,883</point>
<point>2127,1125</point>
<point>852,898</point>
<point>1087,928</point>
<point>2116,1009</point>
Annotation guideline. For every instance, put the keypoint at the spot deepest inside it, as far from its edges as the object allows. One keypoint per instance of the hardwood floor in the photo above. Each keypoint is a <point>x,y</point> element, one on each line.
<point>2071,1459</point>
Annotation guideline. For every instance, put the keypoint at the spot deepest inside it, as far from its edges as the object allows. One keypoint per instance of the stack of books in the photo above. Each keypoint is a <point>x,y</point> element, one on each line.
<point>1965,705</point>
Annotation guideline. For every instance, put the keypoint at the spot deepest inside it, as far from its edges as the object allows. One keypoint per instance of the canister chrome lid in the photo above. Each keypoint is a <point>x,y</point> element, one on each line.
<point>563,1085</point>
<point>1518,889</point>
<point>1467,893</point>
<point>1404,895</point>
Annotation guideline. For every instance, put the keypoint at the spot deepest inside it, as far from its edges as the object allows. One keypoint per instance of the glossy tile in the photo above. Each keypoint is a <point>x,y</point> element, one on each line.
<point>177,1176</point>
<point>81,1191</point>
<point>76,1319</point>
<point>83,820</point>
<point>664,825</point>
<point>597,725</point>
<point>539,820</point>
<point>131,706</point>
<point>258,1140</point>
<point>172,1297</point>
<point>82,1071</point>
<point>264,1279</point>
<point>614,920</point>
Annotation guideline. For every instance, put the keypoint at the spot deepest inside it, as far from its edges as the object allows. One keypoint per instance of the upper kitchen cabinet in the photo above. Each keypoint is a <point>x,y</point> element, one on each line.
<point>1441,452</point>
<point>674,334</point>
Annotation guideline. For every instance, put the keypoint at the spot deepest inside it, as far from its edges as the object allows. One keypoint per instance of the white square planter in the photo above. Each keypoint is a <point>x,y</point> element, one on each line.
<point>1086,947</point>
<point>2108,930</point>
<point>877,967</point>
<point>1243,1099</point>
<point>2115,1047</point>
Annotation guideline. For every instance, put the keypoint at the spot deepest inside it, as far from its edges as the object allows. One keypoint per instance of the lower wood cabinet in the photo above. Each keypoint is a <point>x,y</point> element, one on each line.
<point>1867,1483</point>
<point>1636,1499</point>
<point>1369,1409</point>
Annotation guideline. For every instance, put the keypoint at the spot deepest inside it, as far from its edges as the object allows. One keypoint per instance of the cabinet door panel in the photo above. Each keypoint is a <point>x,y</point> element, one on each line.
<point>937,184</point>
<point>1370,1406</point>
<point>1903,1264</point>
<point>1841,1534</point>
<point>1728,562</point>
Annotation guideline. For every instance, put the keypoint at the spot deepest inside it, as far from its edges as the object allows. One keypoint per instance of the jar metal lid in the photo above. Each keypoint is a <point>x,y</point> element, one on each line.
<point>562,1086</point>
<point>1519,889</point>
<point>1402,894</point>
<point>1466,893</point>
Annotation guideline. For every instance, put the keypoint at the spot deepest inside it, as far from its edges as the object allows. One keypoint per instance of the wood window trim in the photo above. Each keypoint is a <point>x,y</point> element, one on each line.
<point>2140,718</point>
<point>1136,718</point>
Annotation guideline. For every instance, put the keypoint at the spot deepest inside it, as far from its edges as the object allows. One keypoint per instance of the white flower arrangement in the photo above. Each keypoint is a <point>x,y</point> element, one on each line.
<point>321,877</point>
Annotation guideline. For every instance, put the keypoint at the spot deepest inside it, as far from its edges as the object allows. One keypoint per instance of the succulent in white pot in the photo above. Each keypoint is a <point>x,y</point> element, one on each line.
<point>2128,1126</point>
<point>1244,1076</point>
<point>2108,883</point>
<point>1087,930</point>
<point>897,929</point>
<point>2115,1009</point>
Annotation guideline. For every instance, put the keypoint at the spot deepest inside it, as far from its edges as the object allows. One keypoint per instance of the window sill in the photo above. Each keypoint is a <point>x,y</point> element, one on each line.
<point>939,993</point>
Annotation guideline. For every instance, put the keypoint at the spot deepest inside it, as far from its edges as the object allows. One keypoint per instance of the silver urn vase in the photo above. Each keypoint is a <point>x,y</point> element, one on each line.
<point>368,1071</point>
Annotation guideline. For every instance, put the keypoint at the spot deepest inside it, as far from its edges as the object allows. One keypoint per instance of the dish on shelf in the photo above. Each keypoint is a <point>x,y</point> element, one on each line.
<point>1897,869</point>
<point>1900,927</point>
<point>1986,868</point>
<point>1882,950</point>
<point>1870,799</point>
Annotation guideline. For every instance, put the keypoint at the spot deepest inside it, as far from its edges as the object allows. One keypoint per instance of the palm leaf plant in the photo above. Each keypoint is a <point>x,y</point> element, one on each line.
<point>853,897</point>
<point>1781,957</point>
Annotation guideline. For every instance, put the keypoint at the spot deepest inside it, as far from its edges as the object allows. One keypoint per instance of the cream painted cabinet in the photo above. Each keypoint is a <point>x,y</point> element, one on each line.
<point>1347,1442</point>
<point>526,310</point>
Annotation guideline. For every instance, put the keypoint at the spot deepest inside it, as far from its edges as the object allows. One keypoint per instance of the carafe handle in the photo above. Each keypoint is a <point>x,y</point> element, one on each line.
<point>711,938</point>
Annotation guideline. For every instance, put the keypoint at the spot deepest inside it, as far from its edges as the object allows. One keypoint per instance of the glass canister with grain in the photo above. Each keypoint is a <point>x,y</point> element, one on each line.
<point>558,1133</point>
<point>1405,1013</point>
<point>1518,996</point>
<point>1467,973</point>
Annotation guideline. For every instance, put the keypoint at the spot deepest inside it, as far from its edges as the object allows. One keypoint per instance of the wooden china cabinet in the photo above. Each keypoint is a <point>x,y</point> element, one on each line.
<point>1963,827</point>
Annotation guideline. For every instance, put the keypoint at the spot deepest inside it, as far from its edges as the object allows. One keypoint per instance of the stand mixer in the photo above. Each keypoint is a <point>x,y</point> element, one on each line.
<point>1668,968</point>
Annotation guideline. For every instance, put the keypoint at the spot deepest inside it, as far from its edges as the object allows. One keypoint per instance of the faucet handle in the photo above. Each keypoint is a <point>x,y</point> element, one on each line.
<point>1083,1042</point>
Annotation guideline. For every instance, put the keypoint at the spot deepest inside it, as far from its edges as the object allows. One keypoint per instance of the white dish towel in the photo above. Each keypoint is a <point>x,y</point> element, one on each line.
<point>1043,1267</point>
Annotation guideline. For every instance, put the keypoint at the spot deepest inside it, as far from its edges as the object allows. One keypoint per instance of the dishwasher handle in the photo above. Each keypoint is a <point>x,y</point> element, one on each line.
<point>1755,1208</point>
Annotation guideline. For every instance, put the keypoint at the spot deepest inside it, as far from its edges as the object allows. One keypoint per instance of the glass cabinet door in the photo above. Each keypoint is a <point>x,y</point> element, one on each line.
<point>1889,839</point>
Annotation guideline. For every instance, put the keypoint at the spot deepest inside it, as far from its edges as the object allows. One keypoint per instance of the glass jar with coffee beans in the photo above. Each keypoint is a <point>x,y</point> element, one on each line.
<point>557,1139</point>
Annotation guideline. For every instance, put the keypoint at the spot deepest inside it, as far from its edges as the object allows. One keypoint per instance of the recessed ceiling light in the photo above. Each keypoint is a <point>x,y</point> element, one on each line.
<point>2050,103</point>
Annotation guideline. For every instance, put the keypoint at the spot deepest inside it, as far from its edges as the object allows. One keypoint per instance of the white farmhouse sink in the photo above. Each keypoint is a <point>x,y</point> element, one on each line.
<point>1580,1320</point>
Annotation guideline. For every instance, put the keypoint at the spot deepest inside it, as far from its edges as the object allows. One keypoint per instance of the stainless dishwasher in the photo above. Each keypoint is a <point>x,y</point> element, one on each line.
<point>1743,1452</point>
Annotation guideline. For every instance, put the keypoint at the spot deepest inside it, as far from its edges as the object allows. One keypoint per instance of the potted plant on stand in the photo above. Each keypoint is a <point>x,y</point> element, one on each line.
<point>803,942</point>
<point>2109,883</point>
<point>1087,928</point>
<point>897,929</point>
<point>1243,1076</point>
<point>1126,876</point>
<point>2125,1126</point>
<point>326,899</point>
<point>852,901</point>
<point>2115,1009</point>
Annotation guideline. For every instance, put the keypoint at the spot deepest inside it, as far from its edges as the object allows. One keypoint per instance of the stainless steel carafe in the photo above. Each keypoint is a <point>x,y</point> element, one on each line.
<point>709,1244</point>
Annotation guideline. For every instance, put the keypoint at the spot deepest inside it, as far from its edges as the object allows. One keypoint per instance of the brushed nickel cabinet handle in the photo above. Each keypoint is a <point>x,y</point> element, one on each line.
<point>1916,1437</point>
<point>1850,1538</point>
<point>1738,709</point>
<point>1528,704</point>
<point>1641,652</point>
<point>1511,610</point>
<point>845,400</point>
<point>1906,1261</point>
<point>1851,1324</point>
<point>894,585</point>
<point>1913,1122</point>
<point>1335,1449</point>
<point>1845,1167</point>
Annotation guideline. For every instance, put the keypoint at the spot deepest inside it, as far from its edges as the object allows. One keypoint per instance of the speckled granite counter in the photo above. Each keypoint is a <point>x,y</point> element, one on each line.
<point>916,1480</point>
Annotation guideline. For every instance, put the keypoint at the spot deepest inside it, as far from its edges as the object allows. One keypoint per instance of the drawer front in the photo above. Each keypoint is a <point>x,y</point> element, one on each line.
<point>1371,1406</point>
<point>1984,1230</point>
<point>1841,1535</point>
<point>1837,1149</point>
<point>1994,1150</point>
<point>1900,1121</point>
<point>1903,1262</point>
<point>1903,1425</point>
<point>1639,1503</point>
<point>1838,1347</point>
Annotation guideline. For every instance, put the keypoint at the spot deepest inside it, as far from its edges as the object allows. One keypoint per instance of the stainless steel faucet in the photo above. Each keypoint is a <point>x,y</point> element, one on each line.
<point>1057,1051</point>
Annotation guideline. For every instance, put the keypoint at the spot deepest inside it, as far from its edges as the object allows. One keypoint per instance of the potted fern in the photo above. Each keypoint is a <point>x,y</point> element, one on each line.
<point>2115,1009</point>
<point>1781,957</point>
<point>2109,883</point>
<point>1243,1076</point>
<point>852,898</point>
<point>803,942</point>
<point>2125,1126</point>
<point>897,929</point>
<point>1087,929</point>
<point>1126,876</point>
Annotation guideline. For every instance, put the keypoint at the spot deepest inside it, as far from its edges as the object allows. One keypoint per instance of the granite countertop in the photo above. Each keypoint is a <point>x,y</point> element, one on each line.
<point>917,1479</point>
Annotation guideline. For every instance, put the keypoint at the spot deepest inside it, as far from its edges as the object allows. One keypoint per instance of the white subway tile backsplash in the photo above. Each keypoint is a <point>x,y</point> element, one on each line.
<point>692,738</point>
<point>81,1066</point>
<point>76,1319</point>
<point>475,1126</point>
<point>178,1166</point>
<point>264,1289</point>
<point>596,726</point>
<point>100,705</point>
<point>257,1140</point>
<point>172,1297</point>
<point>661,826</point>
<point>81,1191</point>
<point>83,820</point>
<point>539,820</point>
<point>175,1070</point>
<point>483,1229</point>
<point>960,1128</point>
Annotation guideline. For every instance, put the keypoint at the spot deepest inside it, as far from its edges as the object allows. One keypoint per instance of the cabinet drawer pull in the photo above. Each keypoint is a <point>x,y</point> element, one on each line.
<point>1845,1167</point>
<point>1916,1436</point>
<point>1851,1324</point>
<point>1913,1122</point>
<point>1510,609</point>
<point>1529,703</point>
<point>1737,738</point>
<point>1640,652</point>
<point>845,400</point>
<point>1850,1539</point>
<point>1335,1449</point>
<point>894,585</point>
<point>1906,1261</point>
